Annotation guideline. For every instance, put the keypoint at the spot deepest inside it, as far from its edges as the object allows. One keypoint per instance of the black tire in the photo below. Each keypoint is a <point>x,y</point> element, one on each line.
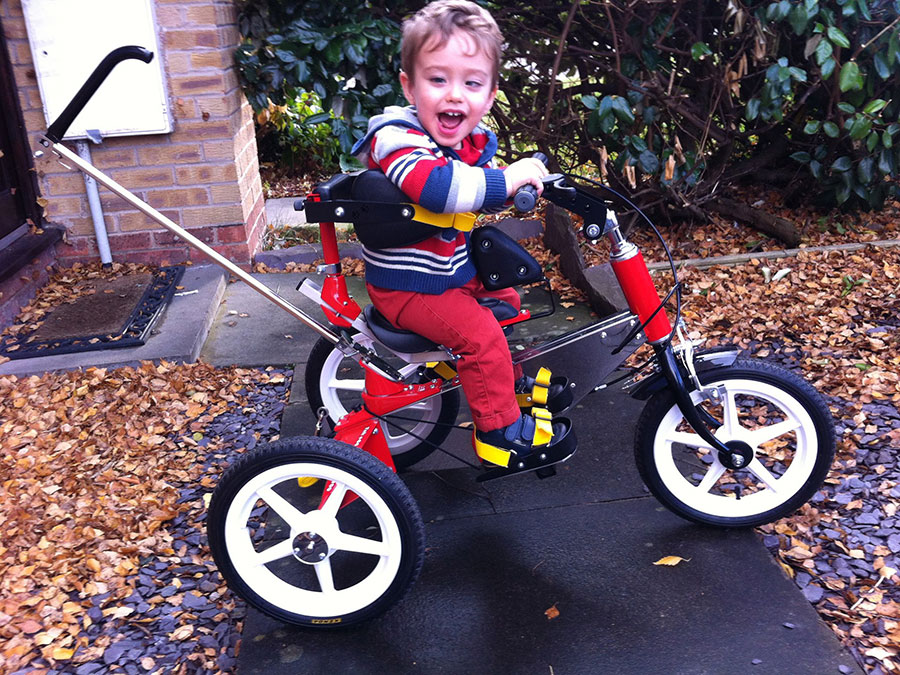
<point>358,560</point>
<point>685,474</point>
<point>434,416</point>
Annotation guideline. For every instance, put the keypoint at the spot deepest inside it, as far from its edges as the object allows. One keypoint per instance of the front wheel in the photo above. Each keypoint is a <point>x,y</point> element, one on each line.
<point>778,414</point>
<point>314,532</point>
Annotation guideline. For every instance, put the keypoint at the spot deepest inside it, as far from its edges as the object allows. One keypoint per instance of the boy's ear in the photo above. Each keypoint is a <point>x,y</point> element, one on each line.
<point>406,83</point>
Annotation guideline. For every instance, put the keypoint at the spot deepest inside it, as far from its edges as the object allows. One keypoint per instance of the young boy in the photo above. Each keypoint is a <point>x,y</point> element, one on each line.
<point>438,153</point>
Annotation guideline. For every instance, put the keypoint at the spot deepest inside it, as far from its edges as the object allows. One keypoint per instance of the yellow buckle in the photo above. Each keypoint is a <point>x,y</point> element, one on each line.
<point>524,400</point>
<point>543,377</point>
<point>458,221</point>
<point>539,393</point>
<point>443,369</point>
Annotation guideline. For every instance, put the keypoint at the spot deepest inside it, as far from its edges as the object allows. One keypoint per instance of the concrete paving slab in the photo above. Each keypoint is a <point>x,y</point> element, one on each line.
<point>178,336</point>
<point>250,331</point>
<point>479,606</point>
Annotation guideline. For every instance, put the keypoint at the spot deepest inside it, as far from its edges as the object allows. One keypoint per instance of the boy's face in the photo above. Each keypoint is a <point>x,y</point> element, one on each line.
<point>452,88</point>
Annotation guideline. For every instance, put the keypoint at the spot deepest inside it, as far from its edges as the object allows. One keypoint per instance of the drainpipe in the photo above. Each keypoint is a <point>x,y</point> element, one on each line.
<point>93,195</point>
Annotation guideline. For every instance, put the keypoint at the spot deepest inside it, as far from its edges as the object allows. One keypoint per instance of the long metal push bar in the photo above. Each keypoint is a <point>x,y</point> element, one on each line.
<point>107,182</point>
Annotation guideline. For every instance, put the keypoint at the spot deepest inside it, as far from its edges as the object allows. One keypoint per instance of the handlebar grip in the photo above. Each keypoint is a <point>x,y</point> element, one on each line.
<point>62,123</point>
<point>526,196</point>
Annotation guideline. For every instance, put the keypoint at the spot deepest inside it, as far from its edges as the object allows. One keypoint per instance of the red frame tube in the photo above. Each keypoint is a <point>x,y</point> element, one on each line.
<point>634,278</point>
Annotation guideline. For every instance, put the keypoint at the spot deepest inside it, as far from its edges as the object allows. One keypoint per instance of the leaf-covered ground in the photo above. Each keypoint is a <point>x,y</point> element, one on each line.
<point>102,556</point>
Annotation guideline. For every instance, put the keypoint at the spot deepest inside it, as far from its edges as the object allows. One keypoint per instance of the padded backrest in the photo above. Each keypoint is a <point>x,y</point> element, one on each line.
<point>374,186</point>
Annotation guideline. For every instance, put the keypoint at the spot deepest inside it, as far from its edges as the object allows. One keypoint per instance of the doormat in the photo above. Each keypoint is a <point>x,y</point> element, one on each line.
<point>120,313</point>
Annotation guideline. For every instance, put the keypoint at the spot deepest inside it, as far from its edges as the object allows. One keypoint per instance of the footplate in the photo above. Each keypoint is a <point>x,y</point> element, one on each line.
<point>540,458</point>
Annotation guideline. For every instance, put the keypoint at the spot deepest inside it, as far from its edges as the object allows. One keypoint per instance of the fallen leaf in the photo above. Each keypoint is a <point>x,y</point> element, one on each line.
<point>671,560</point>
<point>551,613</point>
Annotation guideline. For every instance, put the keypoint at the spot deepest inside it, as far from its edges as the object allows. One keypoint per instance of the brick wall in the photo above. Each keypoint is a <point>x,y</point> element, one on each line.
<point>204,175</point>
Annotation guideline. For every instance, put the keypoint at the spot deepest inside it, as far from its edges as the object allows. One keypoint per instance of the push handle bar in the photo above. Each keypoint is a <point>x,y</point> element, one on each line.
<point>62,123</point>
<point>526,196</point>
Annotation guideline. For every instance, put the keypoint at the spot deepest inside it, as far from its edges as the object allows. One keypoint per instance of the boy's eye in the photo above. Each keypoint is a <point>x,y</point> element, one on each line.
<point>436,80</point>
<point>473,83</point>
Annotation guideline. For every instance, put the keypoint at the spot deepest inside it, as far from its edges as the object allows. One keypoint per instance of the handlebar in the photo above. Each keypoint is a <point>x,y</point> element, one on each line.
<point>62,123</point>
<point>526,196</point>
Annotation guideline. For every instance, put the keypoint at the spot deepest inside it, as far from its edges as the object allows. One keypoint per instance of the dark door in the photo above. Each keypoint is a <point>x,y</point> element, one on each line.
<point>17,186</point>
<point>12,210</point>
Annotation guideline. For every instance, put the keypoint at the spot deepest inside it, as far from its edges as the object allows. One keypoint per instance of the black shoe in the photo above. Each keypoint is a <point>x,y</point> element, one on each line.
<point>519,439</point>
<point>545,390</point>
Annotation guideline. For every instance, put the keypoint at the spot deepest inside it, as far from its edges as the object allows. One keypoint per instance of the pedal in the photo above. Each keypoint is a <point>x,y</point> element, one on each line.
<point>540,460</point>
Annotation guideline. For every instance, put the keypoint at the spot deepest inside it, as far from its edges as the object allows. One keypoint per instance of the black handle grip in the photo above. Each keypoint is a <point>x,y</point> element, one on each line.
<point>62,123</point>
<point>526,196</point>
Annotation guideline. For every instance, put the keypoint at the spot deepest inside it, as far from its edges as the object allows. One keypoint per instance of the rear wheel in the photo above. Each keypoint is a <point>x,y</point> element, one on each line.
<point>779,415</point>
<point>287,538</point>
<point>336,382</point>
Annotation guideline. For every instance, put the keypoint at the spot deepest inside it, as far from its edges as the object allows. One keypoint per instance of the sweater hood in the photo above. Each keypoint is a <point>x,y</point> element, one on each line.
<point>405,116</point>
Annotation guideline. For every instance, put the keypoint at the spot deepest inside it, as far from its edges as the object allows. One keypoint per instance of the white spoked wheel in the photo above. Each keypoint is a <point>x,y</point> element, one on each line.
<point>778,415</point>
<point>315,532</point>
<point>336,382</point>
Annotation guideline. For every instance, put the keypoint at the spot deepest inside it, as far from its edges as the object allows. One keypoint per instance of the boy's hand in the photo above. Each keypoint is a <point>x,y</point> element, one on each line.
<point>528,171</point>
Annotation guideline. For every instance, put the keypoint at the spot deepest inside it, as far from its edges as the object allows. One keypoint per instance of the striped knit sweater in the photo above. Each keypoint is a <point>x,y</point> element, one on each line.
<point>440,179</point>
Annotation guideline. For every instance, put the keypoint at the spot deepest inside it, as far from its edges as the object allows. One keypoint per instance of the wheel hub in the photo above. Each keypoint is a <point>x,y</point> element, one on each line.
<point>310,548</point>
<point>739,455</point>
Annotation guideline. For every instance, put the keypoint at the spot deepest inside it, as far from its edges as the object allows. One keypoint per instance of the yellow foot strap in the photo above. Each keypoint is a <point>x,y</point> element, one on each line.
<point>543,433</point>
<point>491,453</point>
<point>539,393</point>
<point>443,368</point>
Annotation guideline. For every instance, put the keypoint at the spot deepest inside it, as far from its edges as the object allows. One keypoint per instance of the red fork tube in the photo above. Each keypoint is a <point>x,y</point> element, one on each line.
<point>634,278</point>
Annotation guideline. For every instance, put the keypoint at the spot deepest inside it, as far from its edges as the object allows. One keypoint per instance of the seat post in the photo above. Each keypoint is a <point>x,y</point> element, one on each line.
<point>334,288</point>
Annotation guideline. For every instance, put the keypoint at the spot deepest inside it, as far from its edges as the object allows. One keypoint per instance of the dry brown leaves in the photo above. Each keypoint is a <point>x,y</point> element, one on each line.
<point>89,468</point>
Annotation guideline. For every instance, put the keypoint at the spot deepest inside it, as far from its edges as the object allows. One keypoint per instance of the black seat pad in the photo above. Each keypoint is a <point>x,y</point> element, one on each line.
<point>408,342</point>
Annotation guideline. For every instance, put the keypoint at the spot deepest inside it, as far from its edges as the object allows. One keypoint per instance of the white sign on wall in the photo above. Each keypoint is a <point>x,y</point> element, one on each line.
<point>68,40</point>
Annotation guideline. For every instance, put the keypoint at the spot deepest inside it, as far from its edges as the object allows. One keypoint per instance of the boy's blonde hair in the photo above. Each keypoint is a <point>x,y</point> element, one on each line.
<point>441,19</point>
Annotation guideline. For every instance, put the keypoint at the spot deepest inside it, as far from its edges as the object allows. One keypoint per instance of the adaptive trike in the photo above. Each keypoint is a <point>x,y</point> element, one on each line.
<point>321,531</point>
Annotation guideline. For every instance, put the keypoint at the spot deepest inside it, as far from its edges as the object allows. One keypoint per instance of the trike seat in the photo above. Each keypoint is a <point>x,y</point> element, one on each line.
<point>411,343</point>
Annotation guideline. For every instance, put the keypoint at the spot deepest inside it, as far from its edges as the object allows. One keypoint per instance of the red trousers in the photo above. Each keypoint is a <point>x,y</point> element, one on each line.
<point>456,320</point>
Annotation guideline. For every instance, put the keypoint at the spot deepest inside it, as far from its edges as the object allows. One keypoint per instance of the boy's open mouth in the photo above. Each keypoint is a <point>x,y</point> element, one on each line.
<point>450,120</point>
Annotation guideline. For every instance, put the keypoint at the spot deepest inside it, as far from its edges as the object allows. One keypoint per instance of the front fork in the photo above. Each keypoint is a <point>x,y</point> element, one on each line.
<point>644,301</point>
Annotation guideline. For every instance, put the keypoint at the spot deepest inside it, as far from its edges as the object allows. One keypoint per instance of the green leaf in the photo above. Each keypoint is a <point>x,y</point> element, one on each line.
<point>802,157</point>
<point>831,129</point>
<point>865,170</point>
<point>824,51</point>
<point>836,35</point>
<point>753,108</point>
<point>874,106</point>
<point>860,128</point>
<point>845,107</point>
<point>881,66</point>
<point>382,90</point>
<point>638,143</point>
<point>885,162</point>
<point>798,19</point>
<point>872,141</point>
<point>816,169</point>
<point>798,74</point>
<point>828,68</point>
<point>622,110</point>
<point>700,50</point>
<point>850,77</point>
<point>318,118</point>
<point>842,164</point>
<point>590,102</point>
<point>812,127</point>
<point>606,106</point>
<point>649,162</point>
<point>887,140</point>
